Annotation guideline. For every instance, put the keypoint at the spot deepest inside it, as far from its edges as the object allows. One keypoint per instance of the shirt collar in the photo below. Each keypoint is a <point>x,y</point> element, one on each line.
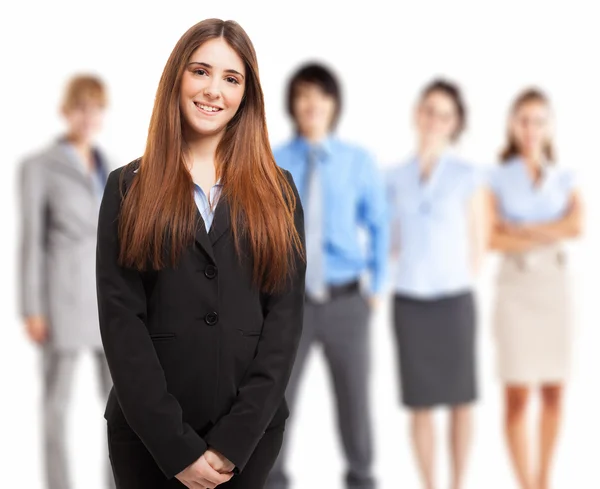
<point>98,162</point>
<point>217,184</point>
<point>325,146</point>
<point>547,169</point>
<point>440,163</point>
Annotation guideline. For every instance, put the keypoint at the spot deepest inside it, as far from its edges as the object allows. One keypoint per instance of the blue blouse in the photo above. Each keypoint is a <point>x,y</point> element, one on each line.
<point>520,201</point>
<point>431,227</point>
<point>202,202</point>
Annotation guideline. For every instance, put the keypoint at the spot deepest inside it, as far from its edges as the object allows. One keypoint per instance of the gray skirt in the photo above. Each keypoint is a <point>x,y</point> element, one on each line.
<point>436,349</point>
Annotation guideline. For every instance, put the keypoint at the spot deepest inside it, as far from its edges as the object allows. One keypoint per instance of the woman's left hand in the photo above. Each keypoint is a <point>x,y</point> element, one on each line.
<point>218,461</point>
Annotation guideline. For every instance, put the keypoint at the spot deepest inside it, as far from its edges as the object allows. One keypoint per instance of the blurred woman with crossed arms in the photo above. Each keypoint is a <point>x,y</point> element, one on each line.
<point>535,208</point>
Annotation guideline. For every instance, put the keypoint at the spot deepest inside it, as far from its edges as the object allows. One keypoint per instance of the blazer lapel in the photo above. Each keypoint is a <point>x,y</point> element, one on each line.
<point>221,221</point>
<point>202,236</point>
<point>69,163</point>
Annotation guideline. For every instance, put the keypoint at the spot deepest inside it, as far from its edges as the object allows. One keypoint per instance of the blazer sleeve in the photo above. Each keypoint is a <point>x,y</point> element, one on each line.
<point>260,394</point>
<point>138,378</point>
<point>33,206</point>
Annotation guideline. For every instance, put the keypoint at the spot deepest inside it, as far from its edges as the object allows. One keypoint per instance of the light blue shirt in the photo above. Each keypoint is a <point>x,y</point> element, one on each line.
<point>520,201</point>
<point>202,202</point>
<point>431,227</point>
<point>353,201</point>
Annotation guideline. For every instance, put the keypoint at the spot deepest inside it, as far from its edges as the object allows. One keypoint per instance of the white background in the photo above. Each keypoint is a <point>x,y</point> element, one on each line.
<point>383,52</point>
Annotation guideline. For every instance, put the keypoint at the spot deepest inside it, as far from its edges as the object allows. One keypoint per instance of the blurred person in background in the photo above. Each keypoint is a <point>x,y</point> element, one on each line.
<point>535,208</point>
<point>60,192</point>
<point>342,193</point>
<point>438,237</point>
<point>200,273</point>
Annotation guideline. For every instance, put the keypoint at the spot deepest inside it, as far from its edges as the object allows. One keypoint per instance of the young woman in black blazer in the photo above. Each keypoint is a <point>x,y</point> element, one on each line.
<point>200,275</point>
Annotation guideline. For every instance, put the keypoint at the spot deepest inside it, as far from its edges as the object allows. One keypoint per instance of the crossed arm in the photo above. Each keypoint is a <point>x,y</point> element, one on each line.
<point>510,237</point>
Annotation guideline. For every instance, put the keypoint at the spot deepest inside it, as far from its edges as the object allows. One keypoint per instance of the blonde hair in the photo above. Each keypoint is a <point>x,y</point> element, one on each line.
<point>84,88</point>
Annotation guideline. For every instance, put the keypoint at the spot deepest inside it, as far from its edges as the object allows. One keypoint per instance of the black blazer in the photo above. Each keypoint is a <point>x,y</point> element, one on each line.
<point>198,355</point>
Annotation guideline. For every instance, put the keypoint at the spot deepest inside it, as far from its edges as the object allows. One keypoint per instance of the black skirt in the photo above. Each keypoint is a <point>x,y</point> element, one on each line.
<point>436,348</point>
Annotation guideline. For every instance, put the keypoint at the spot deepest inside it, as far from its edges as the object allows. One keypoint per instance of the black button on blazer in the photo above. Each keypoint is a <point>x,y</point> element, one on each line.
<point>184,377</point>
<point>210,271</point>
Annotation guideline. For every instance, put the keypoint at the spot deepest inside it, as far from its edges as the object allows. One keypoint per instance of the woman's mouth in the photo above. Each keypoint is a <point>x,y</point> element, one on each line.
<point>207,109</point>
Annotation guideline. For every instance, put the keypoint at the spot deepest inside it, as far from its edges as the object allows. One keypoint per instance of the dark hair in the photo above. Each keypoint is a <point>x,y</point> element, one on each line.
<point>321,76</point>
<point>452,91</point>
<point>511,149</point>
<point>158,210</point>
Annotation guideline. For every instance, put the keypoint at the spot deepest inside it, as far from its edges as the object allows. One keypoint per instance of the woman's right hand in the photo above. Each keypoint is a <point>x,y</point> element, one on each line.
<point>201,475</point>
<point>37,328</point>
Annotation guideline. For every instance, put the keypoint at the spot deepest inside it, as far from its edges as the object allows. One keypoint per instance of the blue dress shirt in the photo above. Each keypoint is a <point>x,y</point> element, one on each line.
<point>431,227</point>
<point>202,202</point>
<point>520,201</point>
<point>356,230</point>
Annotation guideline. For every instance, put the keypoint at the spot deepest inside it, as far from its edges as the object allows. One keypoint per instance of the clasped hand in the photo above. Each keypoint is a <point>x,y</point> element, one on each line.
<point>209,471</point>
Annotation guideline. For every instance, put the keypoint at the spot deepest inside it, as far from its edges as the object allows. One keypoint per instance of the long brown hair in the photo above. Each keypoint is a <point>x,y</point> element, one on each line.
<point>511,149</point>
<point>158,214</point>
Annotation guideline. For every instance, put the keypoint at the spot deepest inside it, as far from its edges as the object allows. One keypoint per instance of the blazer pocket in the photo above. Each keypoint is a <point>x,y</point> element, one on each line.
<point>162,336</point>
<point>243,332</point>
<point>248,342</point>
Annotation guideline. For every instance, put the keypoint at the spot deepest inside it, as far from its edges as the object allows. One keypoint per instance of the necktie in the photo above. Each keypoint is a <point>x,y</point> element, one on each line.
<point>316,288</point>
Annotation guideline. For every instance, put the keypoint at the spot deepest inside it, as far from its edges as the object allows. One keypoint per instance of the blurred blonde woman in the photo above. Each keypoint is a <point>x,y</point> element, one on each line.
<point>535,208</point>
<point>61,188</point>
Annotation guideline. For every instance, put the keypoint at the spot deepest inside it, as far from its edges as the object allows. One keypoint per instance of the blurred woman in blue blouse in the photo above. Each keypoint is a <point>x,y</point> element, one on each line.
<point>535,207</point>
<point>438,234</point>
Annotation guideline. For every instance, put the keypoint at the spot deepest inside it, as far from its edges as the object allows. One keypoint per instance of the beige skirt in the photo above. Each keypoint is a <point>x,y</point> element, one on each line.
<point>533,317</point>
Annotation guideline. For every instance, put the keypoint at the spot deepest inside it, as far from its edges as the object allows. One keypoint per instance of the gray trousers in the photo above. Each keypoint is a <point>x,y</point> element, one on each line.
<point>59,367</point>
<point>340,327</point>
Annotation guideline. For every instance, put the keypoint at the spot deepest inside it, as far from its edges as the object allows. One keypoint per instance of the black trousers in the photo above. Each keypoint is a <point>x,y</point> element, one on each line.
<point>134,467</point>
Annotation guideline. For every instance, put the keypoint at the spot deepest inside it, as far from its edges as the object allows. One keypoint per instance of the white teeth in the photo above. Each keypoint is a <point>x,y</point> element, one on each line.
<point>207,108</point>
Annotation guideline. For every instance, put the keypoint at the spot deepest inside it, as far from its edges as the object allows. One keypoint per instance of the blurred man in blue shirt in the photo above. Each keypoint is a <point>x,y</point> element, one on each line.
<point>343,198</point>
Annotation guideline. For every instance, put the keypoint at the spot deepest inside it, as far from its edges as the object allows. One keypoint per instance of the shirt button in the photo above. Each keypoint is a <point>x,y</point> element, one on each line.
<point>211,318</point>
<point>210,271</point>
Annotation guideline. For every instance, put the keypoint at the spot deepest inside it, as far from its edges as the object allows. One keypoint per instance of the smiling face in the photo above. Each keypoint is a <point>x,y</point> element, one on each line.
<point>436,119</point>
<point>530,127</point>
<point>212,88</point>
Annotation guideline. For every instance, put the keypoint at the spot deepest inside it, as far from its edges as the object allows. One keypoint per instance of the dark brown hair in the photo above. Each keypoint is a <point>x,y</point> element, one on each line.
<point>322,77</point>
<point>511,149</point>
<point>158,211</point>
<point>452,91</point>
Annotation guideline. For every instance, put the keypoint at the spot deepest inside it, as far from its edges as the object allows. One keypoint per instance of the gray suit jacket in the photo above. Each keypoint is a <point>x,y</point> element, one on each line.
<point>59,206</point>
